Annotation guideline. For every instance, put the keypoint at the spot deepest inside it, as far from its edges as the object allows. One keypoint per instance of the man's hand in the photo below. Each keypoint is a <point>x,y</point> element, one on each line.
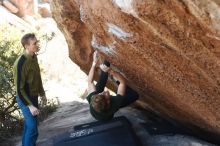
<point>34,111</point>
<point>44,100</point>
<point>104,68</point>
<point>95,58</point>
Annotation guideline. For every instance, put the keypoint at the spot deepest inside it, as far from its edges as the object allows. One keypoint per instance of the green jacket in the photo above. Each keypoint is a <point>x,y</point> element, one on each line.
<point>27,78</point>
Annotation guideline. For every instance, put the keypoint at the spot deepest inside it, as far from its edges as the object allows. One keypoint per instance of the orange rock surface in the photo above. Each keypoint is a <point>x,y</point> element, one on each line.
<point>26,7</point>
<point>169,51</point>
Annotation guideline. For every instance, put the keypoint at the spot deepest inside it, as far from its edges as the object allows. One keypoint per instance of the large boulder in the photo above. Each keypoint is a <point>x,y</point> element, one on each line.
<point>26,7</point>
<point>12,8</point>
<point>44,10</point>
<point>168,50</point>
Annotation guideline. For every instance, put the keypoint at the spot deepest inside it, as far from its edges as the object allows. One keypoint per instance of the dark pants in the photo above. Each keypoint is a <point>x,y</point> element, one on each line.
<point>129,97</point>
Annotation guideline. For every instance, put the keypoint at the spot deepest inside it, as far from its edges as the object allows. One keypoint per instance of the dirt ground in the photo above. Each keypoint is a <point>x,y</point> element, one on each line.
<point>150,129</point>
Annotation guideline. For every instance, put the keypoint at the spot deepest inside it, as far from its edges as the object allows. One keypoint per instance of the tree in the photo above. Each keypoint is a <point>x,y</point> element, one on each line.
<point>10,116</point>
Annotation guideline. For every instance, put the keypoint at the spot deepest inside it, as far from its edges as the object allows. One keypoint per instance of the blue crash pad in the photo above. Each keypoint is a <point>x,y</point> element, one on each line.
<point>117,132</point>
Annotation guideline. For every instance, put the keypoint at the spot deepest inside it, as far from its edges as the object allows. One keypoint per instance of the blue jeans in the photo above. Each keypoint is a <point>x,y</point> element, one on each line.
<point>30,132</point>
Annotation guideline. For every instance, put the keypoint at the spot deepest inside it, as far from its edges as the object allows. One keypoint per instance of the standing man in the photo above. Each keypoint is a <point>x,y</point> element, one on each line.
<point>29,86</point>
<point>103,106</point>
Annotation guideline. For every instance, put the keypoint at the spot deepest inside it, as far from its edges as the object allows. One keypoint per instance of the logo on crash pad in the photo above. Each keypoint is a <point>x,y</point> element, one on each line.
<point>81,133</point>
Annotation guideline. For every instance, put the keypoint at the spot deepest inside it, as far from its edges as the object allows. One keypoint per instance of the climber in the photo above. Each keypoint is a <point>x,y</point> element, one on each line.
<point>102,104</point>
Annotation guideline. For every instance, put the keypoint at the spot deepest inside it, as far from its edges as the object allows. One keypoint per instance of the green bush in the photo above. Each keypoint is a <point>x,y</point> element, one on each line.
<point>51,106</point>
<point>9,113</point>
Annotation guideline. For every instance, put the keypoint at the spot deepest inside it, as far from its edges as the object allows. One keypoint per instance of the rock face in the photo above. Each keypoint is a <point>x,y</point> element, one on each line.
<point>168,50</point>
<point>26,7</point>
